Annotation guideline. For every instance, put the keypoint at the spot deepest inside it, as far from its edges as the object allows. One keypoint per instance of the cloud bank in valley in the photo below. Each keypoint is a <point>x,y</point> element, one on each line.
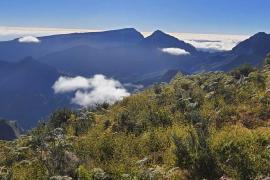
<point>91,91</point>
<point>175,51</point>
<point>28,39</point>
<point>211,42</point>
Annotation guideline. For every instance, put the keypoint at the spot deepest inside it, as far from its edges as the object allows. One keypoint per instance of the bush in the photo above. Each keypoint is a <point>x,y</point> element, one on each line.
<point>243,70</point>
<point>59,118</point>
<point>83,174</point>
<point>192,153</point>
<point>242,153</point>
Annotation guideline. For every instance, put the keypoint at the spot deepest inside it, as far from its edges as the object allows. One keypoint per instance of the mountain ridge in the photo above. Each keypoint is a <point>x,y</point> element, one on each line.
<point>130,60</point>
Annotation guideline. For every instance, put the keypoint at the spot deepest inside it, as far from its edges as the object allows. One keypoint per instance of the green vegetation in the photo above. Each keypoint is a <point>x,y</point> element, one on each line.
<point>202,126</point>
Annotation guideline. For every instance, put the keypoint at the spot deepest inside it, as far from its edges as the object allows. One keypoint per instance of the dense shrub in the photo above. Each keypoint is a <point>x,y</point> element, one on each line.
<point>242,153</point>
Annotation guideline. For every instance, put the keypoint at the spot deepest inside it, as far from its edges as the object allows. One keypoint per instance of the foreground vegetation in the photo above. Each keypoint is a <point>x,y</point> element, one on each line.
<point>208,126</point>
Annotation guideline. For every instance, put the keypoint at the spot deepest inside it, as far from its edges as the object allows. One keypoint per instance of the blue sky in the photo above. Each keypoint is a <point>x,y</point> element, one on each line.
<point>195,16</point>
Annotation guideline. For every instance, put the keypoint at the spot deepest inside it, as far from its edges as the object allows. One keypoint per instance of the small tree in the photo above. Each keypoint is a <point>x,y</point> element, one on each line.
<point>59,118</point>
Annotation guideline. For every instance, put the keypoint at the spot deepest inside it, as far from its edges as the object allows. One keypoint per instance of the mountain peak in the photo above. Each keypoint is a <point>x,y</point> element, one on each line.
<point>159,33</point>
<point>123,30</point>
<point>128,30</point>
<point>258,43</point>
<point>260,34</point>
<point>159,39</point>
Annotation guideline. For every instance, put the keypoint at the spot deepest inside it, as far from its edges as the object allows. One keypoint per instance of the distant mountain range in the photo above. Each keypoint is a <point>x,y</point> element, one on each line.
<point>28,70</point>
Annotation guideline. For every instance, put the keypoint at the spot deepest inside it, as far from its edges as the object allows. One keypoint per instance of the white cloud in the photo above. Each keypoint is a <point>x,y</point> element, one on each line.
<point>91,91</point>
<point>175,51</point>
<point>28,39</point>
<point>67,84</point>
<point>213,46</point>
<point>211,42</point>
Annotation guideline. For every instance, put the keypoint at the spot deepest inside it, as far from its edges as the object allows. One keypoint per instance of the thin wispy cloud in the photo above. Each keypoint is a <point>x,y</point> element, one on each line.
<point>91,91</point>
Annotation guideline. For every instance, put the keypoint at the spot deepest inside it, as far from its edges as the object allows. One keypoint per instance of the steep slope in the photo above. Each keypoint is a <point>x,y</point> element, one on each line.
<point>25,91</point>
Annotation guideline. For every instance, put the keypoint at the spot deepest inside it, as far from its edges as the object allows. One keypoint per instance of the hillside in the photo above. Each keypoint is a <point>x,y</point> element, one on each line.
<point>204,126</point>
